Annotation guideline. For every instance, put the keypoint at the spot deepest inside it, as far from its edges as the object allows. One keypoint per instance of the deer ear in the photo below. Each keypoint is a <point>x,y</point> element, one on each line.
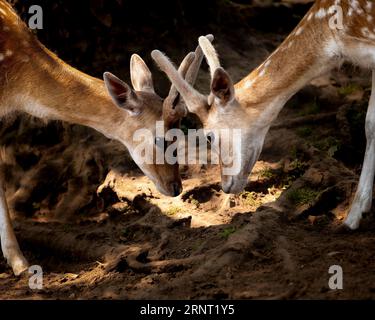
<point>122,95</point>
<point>140,75</point>
<point>222,86</point>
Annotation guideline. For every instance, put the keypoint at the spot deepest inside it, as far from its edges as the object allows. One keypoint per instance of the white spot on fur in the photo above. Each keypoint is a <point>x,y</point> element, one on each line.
<point>299,31</point>
<point>249,84</point>
<point>331,9</point>
<point>331,48</point>
<point>321,13</point>
<point>8,53</point>
<point>354,4</point>
<point>356,7</point>
<point>359,11</point>
<point>365,31</point>
<point>2,56</point>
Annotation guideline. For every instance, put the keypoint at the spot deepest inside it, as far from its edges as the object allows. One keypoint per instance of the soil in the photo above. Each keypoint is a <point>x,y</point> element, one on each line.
<point>100,230</point>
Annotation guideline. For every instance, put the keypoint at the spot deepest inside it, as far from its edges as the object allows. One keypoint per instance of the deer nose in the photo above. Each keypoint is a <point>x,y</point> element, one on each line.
<point>177,188</point>
<point>227,187</point>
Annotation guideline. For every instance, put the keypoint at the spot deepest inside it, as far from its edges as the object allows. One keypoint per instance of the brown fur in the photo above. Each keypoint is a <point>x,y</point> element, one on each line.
<point>305,51</point>
<point>32,72</point>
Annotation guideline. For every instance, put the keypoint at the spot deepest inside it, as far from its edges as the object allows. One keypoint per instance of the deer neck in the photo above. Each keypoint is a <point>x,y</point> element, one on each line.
<point>51,89</point>
<point>34,80</point>
<point>303,56</point>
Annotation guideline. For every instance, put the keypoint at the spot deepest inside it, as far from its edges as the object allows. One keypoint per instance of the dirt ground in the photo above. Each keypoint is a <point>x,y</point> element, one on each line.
<point>100,230</point>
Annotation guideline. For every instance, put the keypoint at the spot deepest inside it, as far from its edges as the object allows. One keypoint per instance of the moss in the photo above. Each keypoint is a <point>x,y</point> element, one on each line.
<point>311,108</point>
<point>227,232</point>
<point>278,178</point>
<point>193,201</point>
<point>304,132</point>
<point>250,199</point>
<point>302,196</point>
<point>349,89</point>
<point>329,144</point>
<point>173,210</point>
<point>293,152</point>
<point>298,165</point>
<point>267,173</point>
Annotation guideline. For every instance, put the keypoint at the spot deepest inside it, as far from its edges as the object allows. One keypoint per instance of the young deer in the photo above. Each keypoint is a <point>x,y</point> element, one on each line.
<point>313,48</point>
<point>37,82</point>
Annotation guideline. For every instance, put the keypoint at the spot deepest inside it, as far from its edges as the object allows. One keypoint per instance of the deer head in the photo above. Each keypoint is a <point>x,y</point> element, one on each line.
<point>221,110</point>
<point>145,109</point>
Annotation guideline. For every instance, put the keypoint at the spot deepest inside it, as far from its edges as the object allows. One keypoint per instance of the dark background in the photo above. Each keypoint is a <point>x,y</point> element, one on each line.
<point>98,35</point>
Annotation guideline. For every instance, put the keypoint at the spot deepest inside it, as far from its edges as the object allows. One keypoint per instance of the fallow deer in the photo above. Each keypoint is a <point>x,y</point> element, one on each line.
<point>35,81</point>
<point>319,43</point>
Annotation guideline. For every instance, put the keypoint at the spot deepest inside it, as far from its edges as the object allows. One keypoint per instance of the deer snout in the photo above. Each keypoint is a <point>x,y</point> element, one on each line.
<point>176,188</point>
<point>226,184</point>
<point>233,184</point>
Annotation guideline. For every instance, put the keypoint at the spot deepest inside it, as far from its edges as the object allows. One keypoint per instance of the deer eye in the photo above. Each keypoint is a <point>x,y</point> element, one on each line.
<point>210,137</point>
<point>159,142</point>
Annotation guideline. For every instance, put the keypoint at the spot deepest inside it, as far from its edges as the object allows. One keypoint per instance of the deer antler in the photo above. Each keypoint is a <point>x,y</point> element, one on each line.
<point>183,86</point>
<point>173,109</point>
<point>192,73</point>
<point>210,54</point>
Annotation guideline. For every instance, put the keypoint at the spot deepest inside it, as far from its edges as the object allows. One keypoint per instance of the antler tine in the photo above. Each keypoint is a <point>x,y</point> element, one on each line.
<point>192,73</point>
<point>193,99</point>
<point>210,54</point>
<point>173,110</point>
<point>183,70</point>
<point>189,71</point>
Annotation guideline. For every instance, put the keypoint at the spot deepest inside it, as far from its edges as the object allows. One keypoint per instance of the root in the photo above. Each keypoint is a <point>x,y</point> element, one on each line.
<point>135,259</point>
<point>290,123</point>
<point>52,240</point>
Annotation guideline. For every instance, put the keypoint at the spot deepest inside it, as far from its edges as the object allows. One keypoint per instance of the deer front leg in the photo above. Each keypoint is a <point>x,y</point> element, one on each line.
<point>363,197</point>
<point>9,244</point>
